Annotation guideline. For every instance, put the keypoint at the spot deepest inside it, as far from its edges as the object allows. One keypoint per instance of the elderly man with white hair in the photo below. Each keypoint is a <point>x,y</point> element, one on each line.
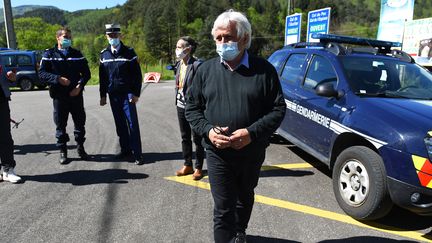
<point>236,103</point>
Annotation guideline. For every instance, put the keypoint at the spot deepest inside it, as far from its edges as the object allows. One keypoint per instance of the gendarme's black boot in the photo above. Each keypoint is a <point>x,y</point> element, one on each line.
<point>63,156</point>
<point>81,152</point>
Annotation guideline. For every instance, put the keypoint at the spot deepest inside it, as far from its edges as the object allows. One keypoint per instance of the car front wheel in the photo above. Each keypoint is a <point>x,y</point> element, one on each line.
<point>26,84</point>
<point>359,183</point>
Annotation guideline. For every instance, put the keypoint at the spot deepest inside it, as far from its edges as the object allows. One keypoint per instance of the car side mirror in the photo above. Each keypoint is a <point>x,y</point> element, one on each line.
<point>328,90</point>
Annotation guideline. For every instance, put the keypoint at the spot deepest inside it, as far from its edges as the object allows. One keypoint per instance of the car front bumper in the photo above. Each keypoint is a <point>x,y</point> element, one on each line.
<point>414,198</point>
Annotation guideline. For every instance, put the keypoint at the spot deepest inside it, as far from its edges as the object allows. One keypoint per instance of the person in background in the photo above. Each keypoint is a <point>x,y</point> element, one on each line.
<point>236,103</point>
<point>185,70</point>
<point>66,71</point>
<point>120,77</point>
<point>6,143</point>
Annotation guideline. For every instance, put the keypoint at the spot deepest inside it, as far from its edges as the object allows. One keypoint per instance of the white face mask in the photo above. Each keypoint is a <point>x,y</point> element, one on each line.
<point>180,53</point>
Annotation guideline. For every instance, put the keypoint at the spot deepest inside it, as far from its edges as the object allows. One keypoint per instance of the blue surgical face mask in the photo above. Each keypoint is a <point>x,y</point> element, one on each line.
<point>66,43</point>
<point>228,51</point>
<point>114,41</point>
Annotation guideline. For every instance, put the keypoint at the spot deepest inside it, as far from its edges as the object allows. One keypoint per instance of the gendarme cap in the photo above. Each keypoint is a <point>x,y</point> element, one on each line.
<point>112,28</point>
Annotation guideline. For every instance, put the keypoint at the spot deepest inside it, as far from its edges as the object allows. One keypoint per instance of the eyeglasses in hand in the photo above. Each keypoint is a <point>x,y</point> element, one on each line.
<point>218,130</point>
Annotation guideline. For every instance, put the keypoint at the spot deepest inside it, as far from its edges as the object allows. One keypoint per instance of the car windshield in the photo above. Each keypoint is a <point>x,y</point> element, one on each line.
<point>382,77</point>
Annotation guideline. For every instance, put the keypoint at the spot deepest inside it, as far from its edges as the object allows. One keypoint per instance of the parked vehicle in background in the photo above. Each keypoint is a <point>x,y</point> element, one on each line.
<point>26,65</point>
<point>366,112</point>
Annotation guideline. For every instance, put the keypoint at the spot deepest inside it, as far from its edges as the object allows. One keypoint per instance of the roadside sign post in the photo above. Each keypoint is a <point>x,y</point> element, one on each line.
<point>318,22</point>
<point>292,28</point>
<point>10,32</point>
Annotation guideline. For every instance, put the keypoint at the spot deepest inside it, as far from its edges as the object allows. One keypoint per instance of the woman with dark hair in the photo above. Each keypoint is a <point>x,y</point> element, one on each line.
<point>185,69</point>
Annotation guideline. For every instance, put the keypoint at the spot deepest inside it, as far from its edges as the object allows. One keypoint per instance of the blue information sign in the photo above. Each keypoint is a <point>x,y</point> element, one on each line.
<point>318,22</point>
<point>292,28</point>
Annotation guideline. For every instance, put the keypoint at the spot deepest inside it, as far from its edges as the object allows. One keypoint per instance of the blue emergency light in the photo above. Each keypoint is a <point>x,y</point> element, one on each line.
<point>325,38</point>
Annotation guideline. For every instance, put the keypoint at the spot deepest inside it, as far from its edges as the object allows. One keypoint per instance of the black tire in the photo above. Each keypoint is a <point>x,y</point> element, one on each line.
<point>26,84</point>
<point>359,184</point>
<point>42,86</point>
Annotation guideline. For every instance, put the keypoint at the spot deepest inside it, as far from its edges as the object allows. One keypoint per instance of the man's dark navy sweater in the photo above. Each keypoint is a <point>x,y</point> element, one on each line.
<point>248,98</point>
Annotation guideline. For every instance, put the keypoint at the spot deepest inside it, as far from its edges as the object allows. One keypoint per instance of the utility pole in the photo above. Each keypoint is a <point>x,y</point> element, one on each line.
<point>8,18</point>
<point>289,7</point>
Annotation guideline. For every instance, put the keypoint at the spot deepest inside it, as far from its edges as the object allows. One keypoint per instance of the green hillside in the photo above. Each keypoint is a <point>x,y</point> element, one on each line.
<point>20,10</point>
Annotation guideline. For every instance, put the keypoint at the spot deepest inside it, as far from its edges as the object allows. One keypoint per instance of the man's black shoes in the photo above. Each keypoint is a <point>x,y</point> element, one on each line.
<point>240,238</point>
<point>63,157</point>
<point>124,155</point>
<point>81,152</point>
<point>139,161</point>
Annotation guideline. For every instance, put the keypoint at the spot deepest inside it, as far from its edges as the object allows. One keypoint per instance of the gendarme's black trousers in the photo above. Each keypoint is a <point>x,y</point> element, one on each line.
<point>62,108</point>
<point>6,142</point>
<point>186,133</point>
<point>233,175</point>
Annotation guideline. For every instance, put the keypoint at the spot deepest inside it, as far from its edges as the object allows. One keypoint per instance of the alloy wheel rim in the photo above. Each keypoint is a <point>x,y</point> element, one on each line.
<point>354,183</point>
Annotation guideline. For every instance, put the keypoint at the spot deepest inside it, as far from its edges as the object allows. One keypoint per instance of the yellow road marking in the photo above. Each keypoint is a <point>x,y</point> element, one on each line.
<point>286,166</point>
<point>187,180</point>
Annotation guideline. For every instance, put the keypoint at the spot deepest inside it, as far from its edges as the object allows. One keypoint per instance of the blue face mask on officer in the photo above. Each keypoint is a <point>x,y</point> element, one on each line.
<point>66,43</point>
<point>114,41</point>
<point>227,51</point>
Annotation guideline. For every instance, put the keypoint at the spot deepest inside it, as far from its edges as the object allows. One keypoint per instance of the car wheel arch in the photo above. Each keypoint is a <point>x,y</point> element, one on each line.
<point>346,140</point>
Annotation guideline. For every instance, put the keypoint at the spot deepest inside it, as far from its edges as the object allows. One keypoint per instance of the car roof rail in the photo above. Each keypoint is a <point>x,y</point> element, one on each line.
<point>402,56</point>
<point>331,47</point>
<point>304,44</point>
<point>335,48</point>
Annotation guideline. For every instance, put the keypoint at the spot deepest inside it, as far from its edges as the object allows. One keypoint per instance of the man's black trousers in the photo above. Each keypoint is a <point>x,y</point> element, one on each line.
<point>186,133</point>
<point>233,175</point>
<point>62,108</point>
<point>6,142</point>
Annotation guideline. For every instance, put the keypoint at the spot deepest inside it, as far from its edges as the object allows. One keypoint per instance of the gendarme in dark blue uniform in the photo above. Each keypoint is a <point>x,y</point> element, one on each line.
<point>120,77</point>
<point>59,64</point>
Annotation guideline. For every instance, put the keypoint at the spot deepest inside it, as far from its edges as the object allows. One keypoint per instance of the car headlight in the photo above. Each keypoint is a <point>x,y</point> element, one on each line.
<point>428,143</point>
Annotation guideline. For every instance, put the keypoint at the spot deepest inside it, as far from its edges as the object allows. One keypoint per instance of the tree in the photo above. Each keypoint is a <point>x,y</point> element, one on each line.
<point>134,36</point>
<point>34,34</point>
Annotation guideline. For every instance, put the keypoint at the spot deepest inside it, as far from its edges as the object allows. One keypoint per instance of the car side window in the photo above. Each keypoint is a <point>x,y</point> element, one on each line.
<point>24,60</point>
<point>293,68</point>
<point>277,60</point>
<point>320,71</point>
<point>8,60</point>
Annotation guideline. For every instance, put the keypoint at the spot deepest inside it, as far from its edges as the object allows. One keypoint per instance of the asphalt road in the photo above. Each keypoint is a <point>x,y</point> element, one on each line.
<point>102,200</point>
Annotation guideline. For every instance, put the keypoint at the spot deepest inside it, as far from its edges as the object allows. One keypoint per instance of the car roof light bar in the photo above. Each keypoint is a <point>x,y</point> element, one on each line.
<point>325,38</point>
